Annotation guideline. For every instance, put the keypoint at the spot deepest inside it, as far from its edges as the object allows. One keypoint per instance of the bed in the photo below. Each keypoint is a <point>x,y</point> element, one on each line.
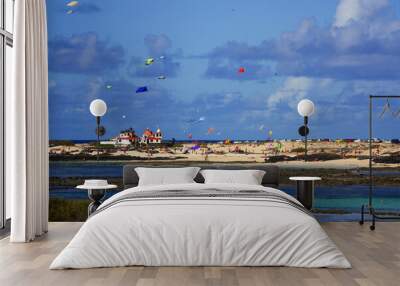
<point>197,224</point>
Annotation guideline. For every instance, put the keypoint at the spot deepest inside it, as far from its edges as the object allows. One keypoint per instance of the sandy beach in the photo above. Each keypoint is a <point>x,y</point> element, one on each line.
<point>346,155</point>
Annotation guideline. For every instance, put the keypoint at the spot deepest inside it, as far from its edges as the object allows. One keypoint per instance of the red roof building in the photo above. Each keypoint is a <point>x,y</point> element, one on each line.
<point>149,137</point>
<point>126,137</point>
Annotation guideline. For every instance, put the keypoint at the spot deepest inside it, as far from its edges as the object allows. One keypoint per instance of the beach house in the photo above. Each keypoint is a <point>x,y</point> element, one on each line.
<point>149,137</point>
<point>126,137</point>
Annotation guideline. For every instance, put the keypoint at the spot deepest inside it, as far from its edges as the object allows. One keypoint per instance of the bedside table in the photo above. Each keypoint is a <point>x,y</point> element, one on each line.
<point>96,192</point>
<point>305,190</point>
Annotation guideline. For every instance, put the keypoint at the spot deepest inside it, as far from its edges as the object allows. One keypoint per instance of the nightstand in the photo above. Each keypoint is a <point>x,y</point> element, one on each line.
<point>96,192</point>
<point>305,190</point>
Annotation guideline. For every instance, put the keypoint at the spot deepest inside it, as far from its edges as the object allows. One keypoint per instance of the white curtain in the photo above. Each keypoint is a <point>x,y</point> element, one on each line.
<point>27,124</point>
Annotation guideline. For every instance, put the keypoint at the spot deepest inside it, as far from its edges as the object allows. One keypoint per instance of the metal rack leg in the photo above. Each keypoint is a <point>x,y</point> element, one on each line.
<point>368,209</point>
<point>361,222</point>
<point>372,226</point>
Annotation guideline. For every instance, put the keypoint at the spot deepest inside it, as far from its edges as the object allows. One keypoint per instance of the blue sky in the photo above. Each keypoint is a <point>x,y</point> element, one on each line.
<point>333,52</point>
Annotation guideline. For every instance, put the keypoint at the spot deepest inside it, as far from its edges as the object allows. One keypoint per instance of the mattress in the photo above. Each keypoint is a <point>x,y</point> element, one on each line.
<point>201,225</point>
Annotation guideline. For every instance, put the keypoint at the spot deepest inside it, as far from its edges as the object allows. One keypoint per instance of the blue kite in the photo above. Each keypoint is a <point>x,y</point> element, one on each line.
<point>142,89</point>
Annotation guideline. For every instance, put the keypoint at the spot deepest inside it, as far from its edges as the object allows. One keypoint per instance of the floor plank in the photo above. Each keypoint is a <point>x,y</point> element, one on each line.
<point>375,257</point>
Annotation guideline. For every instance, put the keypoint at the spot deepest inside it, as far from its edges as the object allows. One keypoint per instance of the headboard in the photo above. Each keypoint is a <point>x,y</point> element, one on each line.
<point>270,179</point>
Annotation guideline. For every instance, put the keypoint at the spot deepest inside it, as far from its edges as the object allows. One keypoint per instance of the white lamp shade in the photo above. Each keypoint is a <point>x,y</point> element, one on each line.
<point>305,107</point>
<point>98,107</point>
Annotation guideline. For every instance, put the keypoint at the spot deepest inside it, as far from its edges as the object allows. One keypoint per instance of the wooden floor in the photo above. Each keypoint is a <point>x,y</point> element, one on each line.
<point>375,257</point>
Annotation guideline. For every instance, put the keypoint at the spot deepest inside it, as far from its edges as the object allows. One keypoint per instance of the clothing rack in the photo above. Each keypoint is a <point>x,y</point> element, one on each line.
<point>369,209</point>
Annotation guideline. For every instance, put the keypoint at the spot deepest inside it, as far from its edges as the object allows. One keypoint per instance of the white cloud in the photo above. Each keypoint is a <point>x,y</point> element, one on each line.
<point>88,54</point>
<point>157,44</point>
<point>362,43</point>
<point>357,10</point>
<point>293,89</point>
<point>94,87</point>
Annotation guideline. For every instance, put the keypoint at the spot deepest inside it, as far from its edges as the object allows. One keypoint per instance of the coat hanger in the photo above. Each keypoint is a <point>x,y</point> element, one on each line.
<point>386,108</point>
<point>397,113</point>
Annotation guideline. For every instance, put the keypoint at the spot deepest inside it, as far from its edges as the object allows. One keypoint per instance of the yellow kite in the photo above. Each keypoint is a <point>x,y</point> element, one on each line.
<point>149,61</point>
<point>73,4</point>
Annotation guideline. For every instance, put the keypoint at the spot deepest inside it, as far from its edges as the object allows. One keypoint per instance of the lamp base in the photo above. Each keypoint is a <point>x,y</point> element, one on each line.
<point>95,196</point>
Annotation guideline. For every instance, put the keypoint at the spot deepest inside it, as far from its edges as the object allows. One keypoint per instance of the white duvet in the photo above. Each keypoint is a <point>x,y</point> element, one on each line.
<point>200,231</point>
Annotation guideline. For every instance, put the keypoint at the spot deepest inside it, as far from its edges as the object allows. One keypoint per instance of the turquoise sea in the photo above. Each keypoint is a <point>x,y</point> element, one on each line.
<point>345,198</point>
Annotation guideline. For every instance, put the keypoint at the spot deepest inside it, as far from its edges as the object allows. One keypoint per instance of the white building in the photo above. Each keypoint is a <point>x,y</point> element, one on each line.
<point>126,137</point>
<point>149,137</point>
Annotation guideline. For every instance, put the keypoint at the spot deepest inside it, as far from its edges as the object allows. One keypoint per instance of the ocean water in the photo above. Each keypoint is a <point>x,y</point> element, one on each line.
<point>346,198</point>
<point>74,169</point>
<point>326,198</point>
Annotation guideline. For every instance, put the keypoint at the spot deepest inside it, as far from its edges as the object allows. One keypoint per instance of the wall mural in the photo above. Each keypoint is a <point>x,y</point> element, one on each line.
<point>219,81</point>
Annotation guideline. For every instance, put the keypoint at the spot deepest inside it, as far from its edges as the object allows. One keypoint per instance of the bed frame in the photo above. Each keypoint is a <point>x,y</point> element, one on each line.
<point>270,179</point>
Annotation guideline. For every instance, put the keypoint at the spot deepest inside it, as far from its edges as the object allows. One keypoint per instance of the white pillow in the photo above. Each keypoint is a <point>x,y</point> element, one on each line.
<point>248,177</point>
<point>166,176</point>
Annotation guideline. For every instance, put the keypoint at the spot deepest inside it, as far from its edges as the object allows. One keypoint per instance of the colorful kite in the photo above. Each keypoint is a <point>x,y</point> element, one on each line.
<point>142,89</point>
<point>69,12</point>
<point>194,121</point>
<point>162,77</point>
<point>149,61</point>
<point>270,133</point>
<point>241,70</point>
<point>73,4</point>
<point>210,130</point>
<point>190,136</point>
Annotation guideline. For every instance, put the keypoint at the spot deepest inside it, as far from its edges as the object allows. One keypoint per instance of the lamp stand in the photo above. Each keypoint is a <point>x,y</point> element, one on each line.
<point>305,138</point>
<point>98,135</point>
